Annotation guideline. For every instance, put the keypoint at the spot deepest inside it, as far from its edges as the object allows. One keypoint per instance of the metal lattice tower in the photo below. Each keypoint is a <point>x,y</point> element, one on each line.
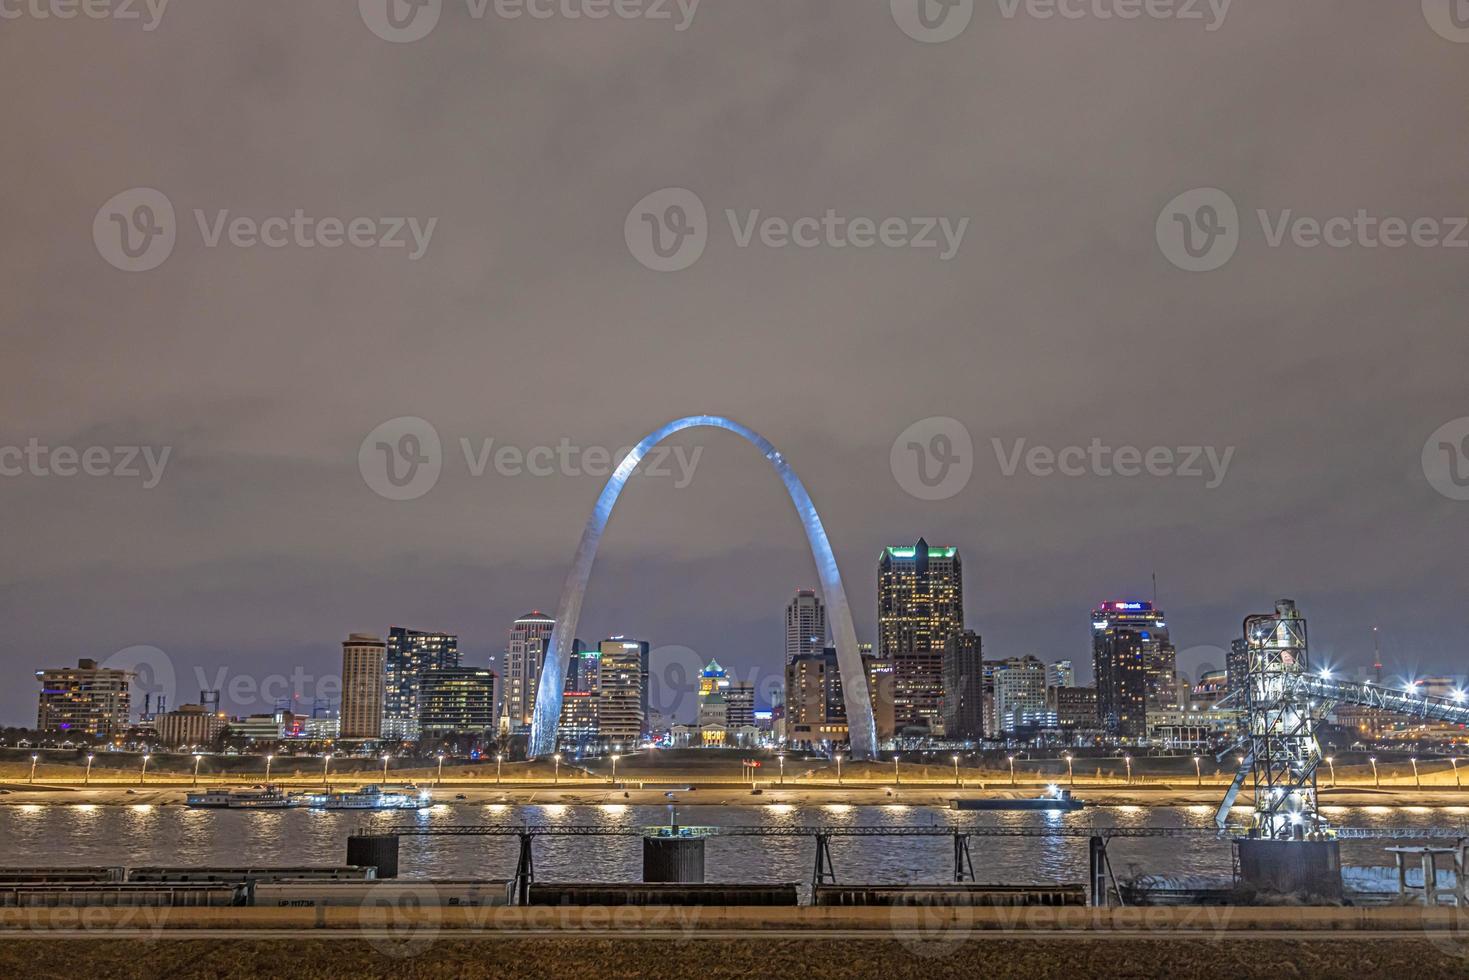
<point>1281,717</point>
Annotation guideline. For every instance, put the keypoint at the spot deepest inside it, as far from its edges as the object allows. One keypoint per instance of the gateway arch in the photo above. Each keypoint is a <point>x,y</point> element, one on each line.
<point>861,725</point>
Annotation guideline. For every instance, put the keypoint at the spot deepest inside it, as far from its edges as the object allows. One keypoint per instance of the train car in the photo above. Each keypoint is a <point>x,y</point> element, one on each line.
<point>392,894</point>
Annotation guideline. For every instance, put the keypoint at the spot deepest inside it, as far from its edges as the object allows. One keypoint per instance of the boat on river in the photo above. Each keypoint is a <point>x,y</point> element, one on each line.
<point>1054,799</point>
<point>264,798</point>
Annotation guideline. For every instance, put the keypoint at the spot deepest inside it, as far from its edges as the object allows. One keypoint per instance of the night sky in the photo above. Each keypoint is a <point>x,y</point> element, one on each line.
<point>528,319</point>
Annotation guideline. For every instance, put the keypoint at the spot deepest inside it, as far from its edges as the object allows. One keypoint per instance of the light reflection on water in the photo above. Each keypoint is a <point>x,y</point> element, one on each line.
<point>168,835</point>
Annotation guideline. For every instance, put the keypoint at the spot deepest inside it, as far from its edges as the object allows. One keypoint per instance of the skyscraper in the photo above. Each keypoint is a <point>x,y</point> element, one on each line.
<point>816,707</point>
<point>410,654</point>
<point>1020,692</point>
<point>456,701</point>
<point>363,663</point>
<point>622,690</point>
<point>805,625</point>
<point>1237,664</point>
<point>920,604</point>
<point>1061,674</point>
<point>964,686</point>
<point>84,700</point>
<point>1135,666</point>
<point>524,653</point>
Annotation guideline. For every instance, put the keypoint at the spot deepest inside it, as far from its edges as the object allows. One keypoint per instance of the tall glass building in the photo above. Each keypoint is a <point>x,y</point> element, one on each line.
<point>920,604</point>
<point>410,655</point>
<point>1135,666</point>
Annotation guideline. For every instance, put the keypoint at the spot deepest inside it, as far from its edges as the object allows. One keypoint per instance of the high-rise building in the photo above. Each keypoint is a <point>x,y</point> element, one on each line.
<point>189,724</point>
<point>1075,707</point>
<point>530,636</point>
<point>713,679</point>
<point>815,706</point>
<point>364,658</point>
<point>1135,666</point>
<point>920,604</point>
<point>456,701</point>
<point>579,722</point>
<point>622,690</point>
<point>805,625</point>
<point>1237,664</point>
<point>1060,674</point>
<point>582,668</point>
<point>1020,691</point>
<point>410,654</point>
<point>84,700</point>
<point>739,702</point>
<point>964,687</point>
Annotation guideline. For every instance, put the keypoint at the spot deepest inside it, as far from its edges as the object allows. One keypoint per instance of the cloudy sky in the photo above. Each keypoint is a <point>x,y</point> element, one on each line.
<point>526,313</point>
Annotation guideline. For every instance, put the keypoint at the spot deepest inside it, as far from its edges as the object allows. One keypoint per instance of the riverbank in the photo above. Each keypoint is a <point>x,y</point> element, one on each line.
<point>477,794</point>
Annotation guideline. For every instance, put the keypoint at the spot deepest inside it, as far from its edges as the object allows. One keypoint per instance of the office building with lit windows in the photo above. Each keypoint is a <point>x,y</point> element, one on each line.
<point>1135,666</point>
<point>456,701</point>
<point>411,654</point>
<point>530,637</point>
<point>622,690</point>
<point>364,657</point>
<point>805,625</point>
<point>920,604</point>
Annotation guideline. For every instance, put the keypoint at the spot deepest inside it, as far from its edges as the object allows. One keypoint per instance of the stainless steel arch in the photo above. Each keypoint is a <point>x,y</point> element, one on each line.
<point>860,722</point>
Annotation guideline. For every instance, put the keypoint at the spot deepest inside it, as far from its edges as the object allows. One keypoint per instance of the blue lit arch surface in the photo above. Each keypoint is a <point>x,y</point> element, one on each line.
<point>863,729</point>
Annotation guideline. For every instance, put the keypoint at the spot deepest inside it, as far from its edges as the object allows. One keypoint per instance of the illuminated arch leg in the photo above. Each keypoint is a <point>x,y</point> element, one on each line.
<point>861,725</point>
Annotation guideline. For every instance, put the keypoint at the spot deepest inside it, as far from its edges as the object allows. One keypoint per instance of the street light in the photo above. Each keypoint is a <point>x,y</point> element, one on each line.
<point>385,767</point>
<point>87,778</point>
<point>34,760</point>
<point>143,773</point>
<point>557,757</point>
<point>1128,759</point>
<point>499,762</point>
<point>1376,780</point>
<point>197,759</point>
<point>897,777</point>
<point>268,760</point>
<point>1331,761</point>
<point>1416,781</point>
<point>1012,769</point>
<point>1070,772</point>
<point>1455,764</point>
<point>615,757</point>
<point>326,769</point>
<point>839,768</point>
<point>956,772</point>
<point>1198,773</point>
<point>440,780</point>
<point>782,758</point>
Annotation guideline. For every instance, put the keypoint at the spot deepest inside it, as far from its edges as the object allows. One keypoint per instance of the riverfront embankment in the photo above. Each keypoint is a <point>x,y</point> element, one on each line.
<point>1239,943</point>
